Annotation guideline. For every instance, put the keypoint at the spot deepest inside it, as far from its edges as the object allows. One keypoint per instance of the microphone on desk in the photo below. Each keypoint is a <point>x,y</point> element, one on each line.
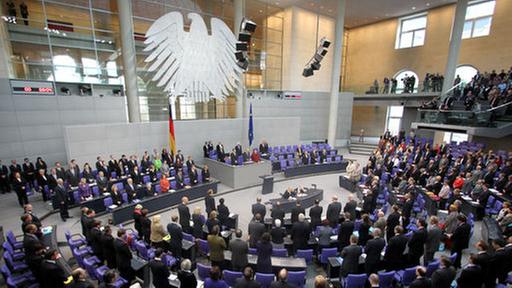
<point>313,185</point>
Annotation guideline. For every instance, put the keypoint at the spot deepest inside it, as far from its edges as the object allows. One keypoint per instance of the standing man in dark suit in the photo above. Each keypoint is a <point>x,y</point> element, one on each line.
<point>54,275</point>
<point>350,207</point>
<point>256,229</point>
<point>373,250</point>
<point>72,175</point>
<point>300,233</point>
<point>298,209</point>
<point>61,197</point>
<point>123,256</point>
<point>460,238</point>
<point>4,179</point>
<point>444,276</point>
<point>184,213</point>
<point>220,152</point>
<point>395,250</point>
<point>19,185</point>
<point>483,259</point>
<point>33,249</point>
<point>29,172</point>
<point>417,243</point>
<point>315,214</point>
<point>333,212</point>
<point>239,250</point>
<point>277,212</point>
<point>392,221</point>
<point>176,236</point>
<point>159,271</point>
<point>434,235</point>
<point>209,202</point>
<point>499,261</point>
<point>346,229</point>
<point>223,211</point>
<point>471,276</point>
<point>13,168</point>
<point>258,208</point>
<point>421,280</point>
<point>350,255</point>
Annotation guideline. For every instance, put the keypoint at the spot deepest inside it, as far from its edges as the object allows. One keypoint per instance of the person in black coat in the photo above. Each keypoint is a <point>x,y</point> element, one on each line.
<point>264,250</point>
<point>95,239</point>
<point>392,221</point>
<point>123,256</point>
<point>407,209</point>
<point>298,209</point>
<point>176,236</point>
<point>54,275</point>
<point>80,279</point>
<point>209,202</point>
<point>421,280</point>
<point>460,239</point>
<point>483,259</point>
<point>29,172</point>
<point>109,252</point>
<point>185,275</point>
<point>364,229</point>
<point>184,214</point>
<point>33,250</point>
<point>417,243</point>
<point>205,174</point>
<point>444,276</point>
<point>350,207</point>
<point>159,271</point>
<point>277,212</point>
<point>350,255</point>
<point>61,197</point>
<point>256,229</point>
<point>395,250</point>
<point>146,226</point>
<point>315,213</point>
<point>19,185</point>
<point>300,233</point>
<point>223,211</point>
<point>192,175</point>
<point>346,229</point>
<point>333,212</point>
<point>4,179</point>
<point>198,221</point>
<point>258,208</point>
<point>117,199</point>
<point>471,276</point>
<point>499,261</point>
<point>373,249</point>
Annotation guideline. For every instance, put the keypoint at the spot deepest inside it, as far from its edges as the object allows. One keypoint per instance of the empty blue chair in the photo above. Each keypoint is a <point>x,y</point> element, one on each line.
<point>21,280</point>
<point>120,186</point>
<point>386,279</point>
<point>283,164</point>
<point>297,278</point>
<point>280,252</point>
<point>143,251</point>
<point>174,185</point>
<point>120,282</point>
<point>231,276</point>
<point>76,197</point>
<point>186,181</point>
<point>146,179</point>
<point>113,175</point>
<point>124,196</point>
<point>158,189</point>
<point>14,266</point>
<point>405,277</point>
<point>203,271</point>
<point>78,241</point>
<point>265,279</point>
<point>107,202</point>
<point>100,272</point>
<point>90,267</point>
<point>355,281</point>
<point>95,191</point>
<point>253,251</point>
<point>431,267</point>
<point>307,254</point>
<point>188,237</point>
<point>15,255</point>
<point>203,247</point>
<point>326,253</point>
<point>17,245</point>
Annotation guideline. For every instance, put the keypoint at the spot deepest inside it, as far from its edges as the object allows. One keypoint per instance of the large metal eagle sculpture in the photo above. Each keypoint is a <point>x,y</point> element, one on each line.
<point>193,64</point>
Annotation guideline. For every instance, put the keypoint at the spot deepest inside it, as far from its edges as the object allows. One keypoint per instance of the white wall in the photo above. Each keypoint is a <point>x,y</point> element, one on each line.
<point>32,126</point>
<point>85,142</point>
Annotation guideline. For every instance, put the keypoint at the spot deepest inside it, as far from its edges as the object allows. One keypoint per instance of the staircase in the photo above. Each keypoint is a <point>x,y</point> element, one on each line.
<point>360,148</point>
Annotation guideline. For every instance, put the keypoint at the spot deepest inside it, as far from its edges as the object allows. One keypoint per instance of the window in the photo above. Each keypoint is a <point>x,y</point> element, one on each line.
<point>466,73</point>
<point>403,77</point>
<point>454,137</point>
<point>395,114</point>
<point>411,31</point>
<point>478,19</point>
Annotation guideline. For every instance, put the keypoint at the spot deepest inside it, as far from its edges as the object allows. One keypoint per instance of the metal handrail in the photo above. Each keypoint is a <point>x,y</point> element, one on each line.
<point>495,108</point>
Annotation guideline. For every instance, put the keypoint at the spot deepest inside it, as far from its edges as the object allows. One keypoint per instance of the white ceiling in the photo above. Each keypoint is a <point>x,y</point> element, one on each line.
<point>362,12</point>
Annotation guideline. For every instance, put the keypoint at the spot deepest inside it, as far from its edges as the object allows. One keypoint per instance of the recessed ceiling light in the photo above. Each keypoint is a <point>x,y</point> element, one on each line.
<point>261,11</point>
<point>413,7</point>
<point>330,10</point>
<point>321,7</point>
<point>428,4</point>
<point>312,4</point>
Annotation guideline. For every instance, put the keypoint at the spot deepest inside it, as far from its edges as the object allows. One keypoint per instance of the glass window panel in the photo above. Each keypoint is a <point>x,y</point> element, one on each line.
<point>447,137</point>
<point>414,24</point>
<point>400,80</point>
<point>459,137</point>
<point>275,23</point>
<point>66,69</point>
<point>482,27</point>
<point>90,66</point>
<point>419,38</point>
<point>466,73</point>
<point>406,40</point>
<point>480,9</point>
<point>105,21</point>
<point>396,111</point>
<point>70,18</point>
<point>468,26</point>
<point>394,125</point>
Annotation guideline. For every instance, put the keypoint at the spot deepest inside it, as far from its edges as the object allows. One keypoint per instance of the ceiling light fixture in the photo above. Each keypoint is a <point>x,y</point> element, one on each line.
<point>413,7</point>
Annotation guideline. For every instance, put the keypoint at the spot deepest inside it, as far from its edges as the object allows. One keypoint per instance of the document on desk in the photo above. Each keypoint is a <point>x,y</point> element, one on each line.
<point>467,198</point>
<point>231,215</point>
<point>173,277</point>
<point>339,259</point>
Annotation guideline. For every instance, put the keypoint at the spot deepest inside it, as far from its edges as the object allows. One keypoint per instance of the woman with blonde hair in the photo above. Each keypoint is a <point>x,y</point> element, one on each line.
<point>158,233</point>
<point>198,220</point>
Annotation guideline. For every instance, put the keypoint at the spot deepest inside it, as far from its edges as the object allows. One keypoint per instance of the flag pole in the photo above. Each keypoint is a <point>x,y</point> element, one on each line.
<point>172,138</point>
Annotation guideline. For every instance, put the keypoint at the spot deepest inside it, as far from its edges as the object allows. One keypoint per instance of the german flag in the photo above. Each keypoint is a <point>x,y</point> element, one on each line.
<point>172,138</point>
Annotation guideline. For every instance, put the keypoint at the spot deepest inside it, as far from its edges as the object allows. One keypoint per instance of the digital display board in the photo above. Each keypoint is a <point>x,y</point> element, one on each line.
<point>32,87</point>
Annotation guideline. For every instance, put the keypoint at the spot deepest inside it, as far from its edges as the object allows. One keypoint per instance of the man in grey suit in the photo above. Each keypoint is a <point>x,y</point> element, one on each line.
<point>350,255</point>
<point>259,208</point>
<point>256,229</point>
<point>333,211</point>
<point>434,235</point>
<point>239,250</point>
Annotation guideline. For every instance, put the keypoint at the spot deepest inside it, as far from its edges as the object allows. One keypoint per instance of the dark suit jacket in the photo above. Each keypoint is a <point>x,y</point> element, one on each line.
<point>176,235</point>
<point>443,277</point>
<point>460,237</point>
<point>259,208</point>
<point>483,259</point>
<point>256,229</point>
<point>184,213</point>
<point>296,211</point>
<point>417,242</point>
<point>346,229</point>
<point>131,191</point>
<point>160,274</point>
<point>277,213</point>
<point>350,255</point>
<point>31,244</point>
<point>373,249</point>
<point>61,194</point>
<point>333,212</point>
<point>54,275</point>
<point>209,202</point>
<point>187,279</point>
<point>123,254</point>
<point>300,234</point>
<point>95,241</point>
<point>243,283</point>
<point>471,277</point>
<point>73,179</point>
<point>239,250</point>
<point>315,214</point>
<point>392,221</point>
<point>350,207</point>
<point>396,247</point>
<point>421,283</point>
<point>223,213</point>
